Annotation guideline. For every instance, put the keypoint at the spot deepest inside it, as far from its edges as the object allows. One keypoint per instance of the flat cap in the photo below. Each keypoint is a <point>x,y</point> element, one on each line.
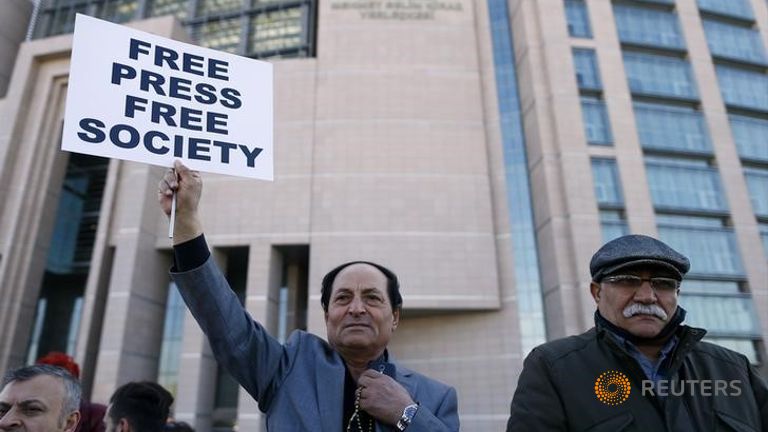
<point>636,249</point>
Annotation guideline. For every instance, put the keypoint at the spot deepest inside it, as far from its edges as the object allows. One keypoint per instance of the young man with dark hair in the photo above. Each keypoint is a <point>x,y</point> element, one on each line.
<point>138,407</point>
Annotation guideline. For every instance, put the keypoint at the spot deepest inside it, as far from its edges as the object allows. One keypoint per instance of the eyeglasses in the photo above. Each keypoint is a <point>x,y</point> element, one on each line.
<point>632,282</point>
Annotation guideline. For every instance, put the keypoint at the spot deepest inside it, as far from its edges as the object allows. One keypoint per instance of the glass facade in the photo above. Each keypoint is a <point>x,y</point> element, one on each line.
<point>610,201</point>
<point>587,72</point>
<point>743,88</point>
<point>757,183</point>
<point>526,263</point>
<point>173,333</point>
<point>260,29</point>
<point>734,42</point>
<point>177,8</point>
<point>709,244</point>
<point>577,18</point>
<point>658,75</point>
<point>671,128</point>
<point>597,126</point>
<point>732,8</point>
<point>648,26</point>
<point>59,305</point>
<point>607,184</point>
<point>684,185</point>
<point>751,136</point>
<point>613,224</point>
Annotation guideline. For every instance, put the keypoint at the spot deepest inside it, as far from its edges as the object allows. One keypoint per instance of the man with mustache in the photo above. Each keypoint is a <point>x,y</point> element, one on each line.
<point>349,383</point>
<point>639,368</point>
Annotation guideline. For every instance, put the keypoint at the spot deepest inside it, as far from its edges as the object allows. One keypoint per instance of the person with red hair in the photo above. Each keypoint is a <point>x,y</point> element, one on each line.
<point>91,414</point>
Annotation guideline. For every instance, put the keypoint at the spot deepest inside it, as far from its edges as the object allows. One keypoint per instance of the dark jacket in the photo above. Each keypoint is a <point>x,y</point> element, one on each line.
<point>557,388</point>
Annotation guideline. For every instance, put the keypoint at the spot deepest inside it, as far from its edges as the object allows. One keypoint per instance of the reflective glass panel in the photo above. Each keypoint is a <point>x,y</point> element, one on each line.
<point>274,31</point>
<point>667,127</point>
<point>659,75</point>
<point>734,42</point>
<point>646,26</point>
<point>596,124</point>
<point>578,19</point>
<point>751,136</point>
<point>677,185</point>
<point>743,88</point>
<point>587,73</point>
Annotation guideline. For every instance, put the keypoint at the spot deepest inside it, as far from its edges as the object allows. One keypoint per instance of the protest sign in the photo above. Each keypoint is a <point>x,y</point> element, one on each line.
<point>136,96</point>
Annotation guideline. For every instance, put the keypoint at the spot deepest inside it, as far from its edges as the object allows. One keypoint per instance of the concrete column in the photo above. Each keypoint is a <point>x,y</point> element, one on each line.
<point>197,371</point>
<point>14,19</point>
<point>135,308</point>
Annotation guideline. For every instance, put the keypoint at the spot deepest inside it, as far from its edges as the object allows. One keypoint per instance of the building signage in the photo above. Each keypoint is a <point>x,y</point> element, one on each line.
<point>140,97</point>
<point>398,10</point>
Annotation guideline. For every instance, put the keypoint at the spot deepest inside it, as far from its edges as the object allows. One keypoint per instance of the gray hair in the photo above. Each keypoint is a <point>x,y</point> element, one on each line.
<point>72,391</point>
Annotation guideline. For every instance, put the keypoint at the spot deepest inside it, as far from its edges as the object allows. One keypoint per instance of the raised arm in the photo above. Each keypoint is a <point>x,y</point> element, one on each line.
<point>240,344</point>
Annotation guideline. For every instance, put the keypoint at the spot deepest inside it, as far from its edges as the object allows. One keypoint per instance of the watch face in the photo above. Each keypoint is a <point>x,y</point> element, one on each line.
<point>410,411</point>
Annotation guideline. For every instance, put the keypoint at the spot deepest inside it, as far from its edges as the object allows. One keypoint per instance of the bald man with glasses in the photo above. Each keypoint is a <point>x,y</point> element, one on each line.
<point>639,368</point>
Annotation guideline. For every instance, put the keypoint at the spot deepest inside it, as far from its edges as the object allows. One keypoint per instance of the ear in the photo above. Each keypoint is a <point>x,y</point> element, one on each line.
<point>123,425</point>
<point>72,421</point>
<point>395,318</point>
<point>594,288</point>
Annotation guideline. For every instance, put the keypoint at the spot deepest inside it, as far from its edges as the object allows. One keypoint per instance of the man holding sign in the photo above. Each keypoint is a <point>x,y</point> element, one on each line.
<point>349,383</point>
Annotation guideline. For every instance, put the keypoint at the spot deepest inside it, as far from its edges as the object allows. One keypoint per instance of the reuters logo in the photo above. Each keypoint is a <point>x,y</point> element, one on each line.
<point>612,388</point>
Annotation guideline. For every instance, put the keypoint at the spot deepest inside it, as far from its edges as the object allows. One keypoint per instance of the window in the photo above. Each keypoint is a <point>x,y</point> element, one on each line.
<point>757,183</point>
<point>645,26</point>
<point>733,8</point>
<point>119,11</point>
<point>223,35</point>
<point>721,314</point>
<point>709,245</point>
<point>734,42</point>
<point>59,19</point>
<point>578,19</point>
<point>587,73</point>
<point>261,29</point>
<point>610,201</point>
<point>177,8</point>
<point>725,311</point>
<point>743,88</point>
<point>764,235</point>
<point>596,124</point>
<point>684,185</point>
<point>659,75</point>
<point>276,31</point>
<point>751,136</point>
<point>606,178</point>
<point>171,347</point>
<point>613,224</point>
<point>666,127</point>
<point>530,308</point>
<point>217,7</point>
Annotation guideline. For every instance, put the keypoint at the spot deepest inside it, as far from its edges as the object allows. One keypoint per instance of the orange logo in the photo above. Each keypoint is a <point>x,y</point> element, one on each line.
<point>612,388</point>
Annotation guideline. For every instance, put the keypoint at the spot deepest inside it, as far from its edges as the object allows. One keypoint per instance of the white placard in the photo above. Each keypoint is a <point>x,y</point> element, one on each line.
<point>136,96</point>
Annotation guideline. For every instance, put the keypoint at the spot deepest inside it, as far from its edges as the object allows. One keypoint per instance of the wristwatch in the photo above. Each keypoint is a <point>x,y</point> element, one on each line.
<point>407,417</point>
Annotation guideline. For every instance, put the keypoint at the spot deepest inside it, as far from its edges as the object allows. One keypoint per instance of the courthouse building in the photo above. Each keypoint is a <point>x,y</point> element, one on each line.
<point>482,149</point>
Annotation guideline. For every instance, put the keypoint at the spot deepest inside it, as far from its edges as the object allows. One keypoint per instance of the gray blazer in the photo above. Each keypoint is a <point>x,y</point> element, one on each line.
<point>299,385</point>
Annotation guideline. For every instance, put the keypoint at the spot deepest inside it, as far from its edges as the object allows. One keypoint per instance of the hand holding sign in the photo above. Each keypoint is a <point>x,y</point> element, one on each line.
<point>188,187</point>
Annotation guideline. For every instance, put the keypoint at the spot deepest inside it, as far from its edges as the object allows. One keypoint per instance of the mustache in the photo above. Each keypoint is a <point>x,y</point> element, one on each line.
<point>646,309</point>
